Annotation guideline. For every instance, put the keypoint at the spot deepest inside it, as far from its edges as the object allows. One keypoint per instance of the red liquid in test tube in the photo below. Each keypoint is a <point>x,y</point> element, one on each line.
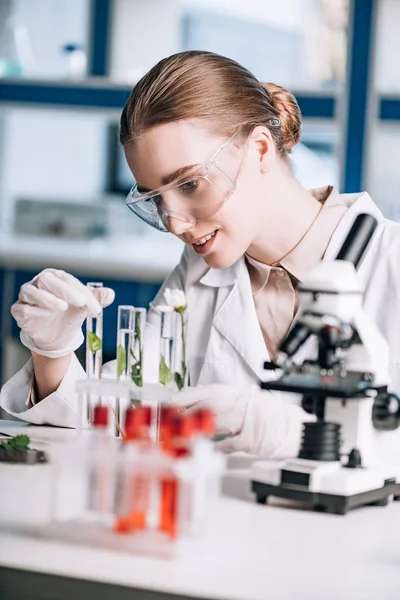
<point>134,489</point>
<point>178,430</point>
<point>99,479</point>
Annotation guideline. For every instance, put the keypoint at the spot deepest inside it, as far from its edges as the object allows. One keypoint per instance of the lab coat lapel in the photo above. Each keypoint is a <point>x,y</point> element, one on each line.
<point>236,318</point>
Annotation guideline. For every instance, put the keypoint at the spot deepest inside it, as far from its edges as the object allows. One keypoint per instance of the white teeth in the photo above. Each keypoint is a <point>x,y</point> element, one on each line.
<point>204,239</point>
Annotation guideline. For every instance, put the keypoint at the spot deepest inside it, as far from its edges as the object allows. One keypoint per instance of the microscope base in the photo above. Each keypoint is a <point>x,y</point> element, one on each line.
<point>329,503</point>
<point>326,487</point>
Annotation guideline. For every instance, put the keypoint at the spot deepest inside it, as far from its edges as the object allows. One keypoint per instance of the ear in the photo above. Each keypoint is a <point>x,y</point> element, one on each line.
<point>265,147</point>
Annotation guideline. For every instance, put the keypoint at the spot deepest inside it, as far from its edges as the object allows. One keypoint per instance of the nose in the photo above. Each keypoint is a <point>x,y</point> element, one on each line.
<point>177,226</point>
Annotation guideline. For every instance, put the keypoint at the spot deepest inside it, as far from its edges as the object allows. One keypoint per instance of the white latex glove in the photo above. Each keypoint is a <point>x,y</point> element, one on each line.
<point>259,422</point>
<point>51,309</point>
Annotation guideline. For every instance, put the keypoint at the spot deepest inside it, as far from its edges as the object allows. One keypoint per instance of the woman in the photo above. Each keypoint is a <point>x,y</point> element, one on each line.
<point>208,146</point>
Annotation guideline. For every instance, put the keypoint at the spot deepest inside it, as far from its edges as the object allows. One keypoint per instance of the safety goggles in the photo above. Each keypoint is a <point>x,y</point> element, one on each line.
<point>195,197</point>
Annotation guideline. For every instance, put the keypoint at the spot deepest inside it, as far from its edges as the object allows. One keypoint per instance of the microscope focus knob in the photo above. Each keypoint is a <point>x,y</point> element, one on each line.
<point>386,412</point>
<point>354,461</point>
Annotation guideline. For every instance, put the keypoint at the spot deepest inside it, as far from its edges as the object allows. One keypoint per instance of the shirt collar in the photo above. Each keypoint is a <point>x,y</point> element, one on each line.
<point>310,251</point>
<point>259,274</point>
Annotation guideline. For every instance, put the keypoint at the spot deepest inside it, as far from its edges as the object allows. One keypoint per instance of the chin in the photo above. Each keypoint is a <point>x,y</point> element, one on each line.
<point>220,260</point>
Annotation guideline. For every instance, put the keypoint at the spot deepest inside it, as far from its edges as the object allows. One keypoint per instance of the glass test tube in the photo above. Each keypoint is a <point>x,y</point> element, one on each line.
<point>135,365</point>
<point>94,348</point>
<point>131,324</point>
<point>179,354</point>
<point>167,331</point>
<point>124,342</point>
<point>173,370</point>
<point>165,365</point>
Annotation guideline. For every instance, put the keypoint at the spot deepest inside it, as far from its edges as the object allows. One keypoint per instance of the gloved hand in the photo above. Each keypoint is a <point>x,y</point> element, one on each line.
<point>51,309</point>
<point>259,422</point>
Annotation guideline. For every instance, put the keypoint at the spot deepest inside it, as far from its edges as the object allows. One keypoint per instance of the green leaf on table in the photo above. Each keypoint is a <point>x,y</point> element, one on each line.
<point>94,342</point>
<point>121,360</point>
<point>136,375</point>
<point>19,442</point>
<point>165,375</point>
<point>179,380</point>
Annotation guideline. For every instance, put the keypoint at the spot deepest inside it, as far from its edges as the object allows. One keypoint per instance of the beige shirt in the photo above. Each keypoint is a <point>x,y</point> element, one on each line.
<point>274,286</point>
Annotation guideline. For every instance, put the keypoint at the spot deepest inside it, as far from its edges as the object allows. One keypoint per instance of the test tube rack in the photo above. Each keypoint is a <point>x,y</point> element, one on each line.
<point>110,391</point>
<point>146,500</point>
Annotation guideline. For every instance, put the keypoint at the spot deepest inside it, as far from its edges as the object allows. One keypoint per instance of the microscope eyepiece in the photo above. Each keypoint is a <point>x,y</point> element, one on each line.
<point>296,337</point>
<point>357,239</point>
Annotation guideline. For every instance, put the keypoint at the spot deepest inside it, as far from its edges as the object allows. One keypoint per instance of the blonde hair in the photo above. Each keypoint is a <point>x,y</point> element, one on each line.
<point>204,85</point>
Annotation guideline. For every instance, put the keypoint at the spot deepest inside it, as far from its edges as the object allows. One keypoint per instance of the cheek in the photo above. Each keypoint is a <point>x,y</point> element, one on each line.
<point>232,243</point>
<point>240,215</point>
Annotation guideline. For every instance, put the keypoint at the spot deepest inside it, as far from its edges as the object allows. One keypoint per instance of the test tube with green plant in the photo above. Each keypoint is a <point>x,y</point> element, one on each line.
<point>94,346</point>
<point>131,324</point>
<point>124,340</point>
<point>167,330</point>
<point>173,360</point>
<point>136,348</point>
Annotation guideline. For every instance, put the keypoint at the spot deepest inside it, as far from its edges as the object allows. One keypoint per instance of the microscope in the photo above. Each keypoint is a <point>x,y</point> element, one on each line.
<point>345,386</point>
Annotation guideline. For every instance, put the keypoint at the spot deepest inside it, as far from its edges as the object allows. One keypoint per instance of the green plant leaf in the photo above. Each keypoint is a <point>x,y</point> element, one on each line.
<point>165,375</point>
<point>179,380</point>
<point>19,442</point>
<point>121,360</point>
<point>136,375</point>
<point>94,342</point>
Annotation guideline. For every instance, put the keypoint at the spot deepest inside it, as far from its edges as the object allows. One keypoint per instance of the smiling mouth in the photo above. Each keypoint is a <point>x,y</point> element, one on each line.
<point>205,239</point>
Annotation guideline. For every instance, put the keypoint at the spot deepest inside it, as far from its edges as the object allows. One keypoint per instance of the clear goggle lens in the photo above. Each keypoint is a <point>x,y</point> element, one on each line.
<point>196,198</point>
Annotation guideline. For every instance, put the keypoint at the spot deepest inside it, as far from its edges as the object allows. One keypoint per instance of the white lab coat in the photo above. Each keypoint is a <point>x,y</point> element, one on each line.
<point>225,343</point>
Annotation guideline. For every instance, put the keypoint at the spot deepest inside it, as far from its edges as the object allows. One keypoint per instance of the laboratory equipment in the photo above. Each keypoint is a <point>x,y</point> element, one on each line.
<point>94,351</point>
<point>94,340</point>
<point>132,500</point>
<point>339,466</point>
<point>144,497</point>
<point>130,331</point>
<point>215,183</point>
<point>172,364</point>
<point>136,349</point>
<point>173,372</point>
<point>123,353</point>
<point>167,339</point>
<point>100,477</point>
<point>131,324</point>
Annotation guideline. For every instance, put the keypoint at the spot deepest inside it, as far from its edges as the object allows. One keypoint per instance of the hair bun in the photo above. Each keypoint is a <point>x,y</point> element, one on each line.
<point>288,112</point>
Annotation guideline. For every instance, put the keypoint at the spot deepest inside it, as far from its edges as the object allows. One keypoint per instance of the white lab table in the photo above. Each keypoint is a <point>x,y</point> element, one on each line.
<point>259,553</point>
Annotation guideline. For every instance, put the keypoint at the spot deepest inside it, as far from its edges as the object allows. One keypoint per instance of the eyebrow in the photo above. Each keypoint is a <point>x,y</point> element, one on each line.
<point>178,174</point>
